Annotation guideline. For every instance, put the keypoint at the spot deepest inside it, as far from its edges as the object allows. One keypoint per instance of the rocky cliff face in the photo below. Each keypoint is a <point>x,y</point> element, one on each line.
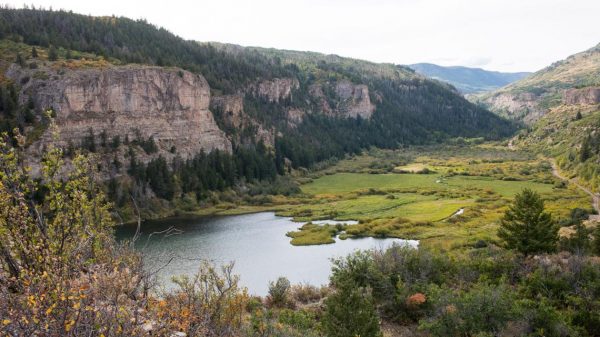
<point>354,100</point>
<point>346,100</point>
<point>523,106</point>
<point>529,107</point>
<point>169,105</point>
<point>232,108</point>
<point>584,96</point>
<point>349,100</point>
<point>275,90</point>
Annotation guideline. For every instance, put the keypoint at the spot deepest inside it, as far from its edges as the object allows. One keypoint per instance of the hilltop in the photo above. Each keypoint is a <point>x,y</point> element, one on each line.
<point>574,80</point>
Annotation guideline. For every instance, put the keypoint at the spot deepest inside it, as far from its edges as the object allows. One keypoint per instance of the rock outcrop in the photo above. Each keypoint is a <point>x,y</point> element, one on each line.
<point>585,96</point>
<point>231,107</point>
<point>275,90</point>
<point>349,100</point>
<point>169,105</point>
<point>230,110</point>
<point>354,100</point>
<point>523,106</point>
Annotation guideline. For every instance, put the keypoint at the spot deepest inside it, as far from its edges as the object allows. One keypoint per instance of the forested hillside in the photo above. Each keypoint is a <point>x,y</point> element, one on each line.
<point>303,107</point>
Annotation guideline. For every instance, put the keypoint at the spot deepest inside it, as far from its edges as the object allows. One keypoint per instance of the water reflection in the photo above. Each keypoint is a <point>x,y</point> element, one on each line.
<point>255,242</point>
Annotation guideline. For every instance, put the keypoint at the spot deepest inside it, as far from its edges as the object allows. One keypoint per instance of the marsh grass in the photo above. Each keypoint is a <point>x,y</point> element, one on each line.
<point>482,180</point>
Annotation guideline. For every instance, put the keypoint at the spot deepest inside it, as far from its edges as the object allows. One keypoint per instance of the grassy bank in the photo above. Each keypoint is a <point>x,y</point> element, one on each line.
<point>409,194</point>
<point>480,180</point>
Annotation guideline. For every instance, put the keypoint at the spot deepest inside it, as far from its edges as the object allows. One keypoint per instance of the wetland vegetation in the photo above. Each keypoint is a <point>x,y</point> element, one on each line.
<point>377,190</point>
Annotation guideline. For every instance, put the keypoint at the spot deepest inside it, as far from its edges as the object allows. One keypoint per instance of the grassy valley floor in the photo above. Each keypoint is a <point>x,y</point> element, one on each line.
<point>446,197</point>
<point>480,181</point>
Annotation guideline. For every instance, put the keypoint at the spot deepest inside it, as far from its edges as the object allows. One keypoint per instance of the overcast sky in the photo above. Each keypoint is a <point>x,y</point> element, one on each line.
<point>504,35</point>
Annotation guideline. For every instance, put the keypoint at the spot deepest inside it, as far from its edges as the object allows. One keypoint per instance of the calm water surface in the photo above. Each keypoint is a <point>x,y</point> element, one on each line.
<point>255,242</point>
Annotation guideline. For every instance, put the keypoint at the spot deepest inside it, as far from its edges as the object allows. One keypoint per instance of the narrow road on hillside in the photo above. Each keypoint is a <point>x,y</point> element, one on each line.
<point>595,197</point>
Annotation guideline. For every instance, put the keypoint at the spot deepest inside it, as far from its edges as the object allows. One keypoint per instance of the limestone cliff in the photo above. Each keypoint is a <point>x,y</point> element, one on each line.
<point>354,100</point>
<point>275,90</point>
<point>231,107</point>
<point>230,111</point>
<point>344,99</point>
<point>348,100</point>
<point>169,105</point>
<point>522,106</point>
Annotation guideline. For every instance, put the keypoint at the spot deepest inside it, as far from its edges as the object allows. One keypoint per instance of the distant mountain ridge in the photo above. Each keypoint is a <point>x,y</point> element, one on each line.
<point>468,80</point>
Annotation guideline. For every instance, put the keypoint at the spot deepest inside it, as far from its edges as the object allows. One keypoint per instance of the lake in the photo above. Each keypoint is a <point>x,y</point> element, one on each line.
<point>255,242</point>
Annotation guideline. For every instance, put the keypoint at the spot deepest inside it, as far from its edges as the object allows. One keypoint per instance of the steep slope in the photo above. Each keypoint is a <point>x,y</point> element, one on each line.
<point>571,81</point>
<point>132,102</point>
<point>562,105</point>
<point>571,135</point>
<point>266,110</point>
<point>311,100</point>
<point>468,80</point>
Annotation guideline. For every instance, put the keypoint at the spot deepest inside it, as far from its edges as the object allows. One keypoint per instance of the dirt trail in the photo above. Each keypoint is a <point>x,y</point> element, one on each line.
<point>595,197</point>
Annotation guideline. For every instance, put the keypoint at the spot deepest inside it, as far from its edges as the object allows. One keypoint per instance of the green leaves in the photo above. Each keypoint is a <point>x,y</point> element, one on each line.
<point>525,226</point>
<point>350,311</point>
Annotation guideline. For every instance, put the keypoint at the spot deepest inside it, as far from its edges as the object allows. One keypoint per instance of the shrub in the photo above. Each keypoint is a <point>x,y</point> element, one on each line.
<point>298,319</point>
<point>350,311</point>
<point>254,303</point>
<point>59,262</point>
<point>480,244</point>
<point>542,319</point>
<point>210,303</point>
<point>482,309</point>
<point>306,293</point>
<point>578,242</point>
<point>278,292</point>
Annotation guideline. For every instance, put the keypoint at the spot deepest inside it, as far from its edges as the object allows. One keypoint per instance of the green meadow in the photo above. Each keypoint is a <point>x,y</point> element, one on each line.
<point>389,202</point>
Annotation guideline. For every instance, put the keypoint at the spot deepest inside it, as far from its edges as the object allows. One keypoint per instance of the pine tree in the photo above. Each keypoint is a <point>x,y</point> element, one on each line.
<point>525,226</point>
<point>596,241</point>
<point>585,152</point>
<point>350,312</point>
<point>20,61</point>
<point>578,242</point>
<point>52,54</point>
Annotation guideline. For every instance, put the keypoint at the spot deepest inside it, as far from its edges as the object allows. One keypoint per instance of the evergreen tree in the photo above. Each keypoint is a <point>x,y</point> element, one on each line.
<point>52,54</point>
<point>525,226</point>
<point>578,242</point>
<point>20,61</point>
<point>585,152</point>
<point>350,311</point>
<point>596,241</point>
